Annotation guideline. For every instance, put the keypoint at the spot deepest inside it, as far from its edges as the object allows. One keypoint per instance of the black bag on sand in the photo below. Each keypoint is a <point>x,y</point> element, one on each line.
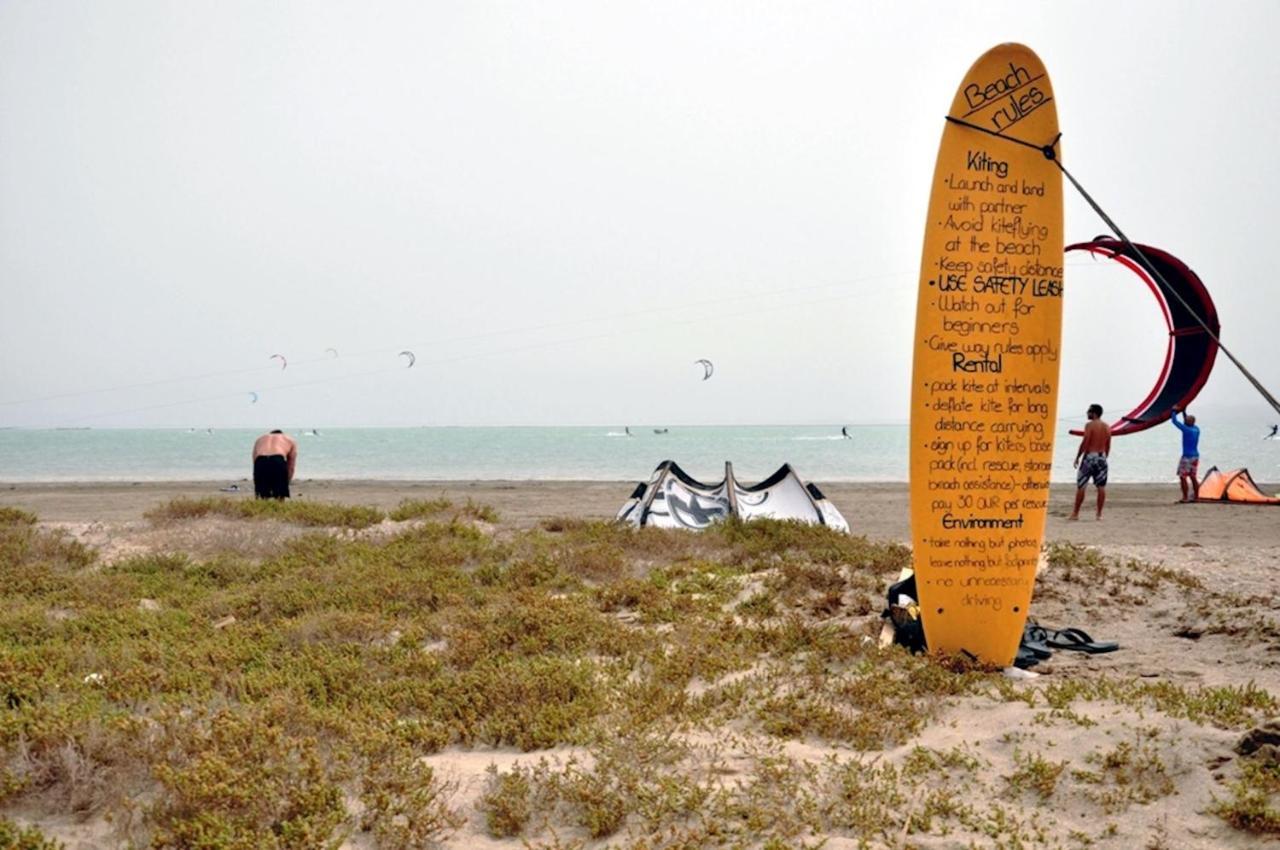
<point>908,628</point>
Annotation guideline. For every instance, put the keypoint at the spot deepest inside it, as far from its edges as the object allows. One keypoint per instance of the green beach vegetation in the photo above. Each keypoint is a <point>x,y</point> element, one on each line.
<point>637,688</point>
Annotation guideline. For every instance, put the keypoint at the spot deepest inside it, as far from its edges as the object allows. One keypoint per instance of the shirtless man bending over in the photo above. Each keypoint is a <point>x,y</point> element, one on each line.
<point>275,456</point>
<point>1091,459</point>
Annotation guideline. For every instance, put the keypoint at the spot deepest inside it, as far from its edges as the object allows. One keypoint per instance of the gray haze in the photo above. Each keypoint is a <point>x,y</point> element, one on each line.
<point>560,206</point>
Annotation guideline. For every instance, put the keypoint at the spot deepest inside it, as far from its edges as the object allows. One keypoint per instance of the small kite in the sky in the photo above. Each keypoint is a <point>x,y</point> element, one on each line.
<point>284,364</point>
<point>253,397</point>
<point>412,359</point>
<point>707,368</point>
<point>332,351</point>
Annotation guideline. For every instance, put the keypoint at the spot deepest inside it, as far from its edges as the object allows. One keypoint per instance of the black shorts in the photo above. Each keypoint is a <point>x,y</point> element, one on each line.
<point>271,477</point>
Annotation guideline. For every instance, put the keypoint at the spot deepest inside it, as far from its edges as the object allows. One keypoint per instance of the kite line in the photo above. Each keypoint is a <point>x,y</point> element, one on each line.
<point>1051,154</point>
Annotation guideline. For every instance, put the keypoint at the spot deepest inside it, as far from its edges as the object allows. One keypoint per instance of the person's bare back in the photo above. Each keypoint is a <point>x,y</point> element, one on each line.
<point>1097,438</point>
<point>274,443</point>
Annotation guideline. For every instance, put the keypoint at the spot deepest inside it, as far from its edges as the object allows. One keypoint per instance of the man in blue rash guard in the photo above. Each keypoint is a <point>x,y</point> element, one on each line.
<point>1189,463</point>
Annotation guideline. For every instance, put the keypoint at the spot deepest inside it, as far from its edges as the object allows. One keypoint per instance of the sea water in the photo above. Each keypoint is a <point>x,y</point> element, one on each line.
<point>818,452</point>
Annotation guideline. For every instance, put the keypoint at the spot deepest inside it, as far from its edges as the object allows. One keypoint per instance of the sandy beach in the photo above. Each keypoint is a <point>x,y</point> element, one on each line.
<point>1107,750</point>
<point>1135,515</point>
<point>1140,520</point>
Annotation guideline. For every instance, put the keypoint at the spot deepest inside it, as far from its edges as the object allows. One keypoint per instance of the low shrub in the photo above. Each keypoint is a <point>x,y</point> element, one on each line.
<point>297,512</point>
<point>419,509</point>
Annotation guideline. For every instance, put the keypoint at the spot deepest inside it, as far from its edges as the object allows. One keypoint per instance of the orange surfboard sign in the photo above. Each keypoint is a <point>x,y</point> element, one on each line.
<point>985,376</point>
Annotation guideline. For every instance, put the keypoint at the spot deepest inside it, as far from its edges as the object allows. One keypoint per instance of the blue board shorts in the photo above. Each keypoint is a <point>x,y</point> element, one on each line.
<point>1093,465</point>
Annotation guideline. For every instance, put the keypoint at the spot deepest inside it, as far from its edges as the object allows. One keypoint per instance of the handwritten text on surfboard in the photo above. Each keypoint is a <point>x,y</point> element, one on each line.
<point>1018,86</point>
<point>992,438</point>
<point>980,322</point>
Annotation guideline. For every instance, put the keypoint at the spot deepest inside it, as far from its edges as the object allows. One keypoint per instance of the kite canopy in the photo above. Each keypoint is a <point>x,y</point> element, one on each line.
<point>1233,485</point>
<point>673,499</point>
<point>1191,351</point>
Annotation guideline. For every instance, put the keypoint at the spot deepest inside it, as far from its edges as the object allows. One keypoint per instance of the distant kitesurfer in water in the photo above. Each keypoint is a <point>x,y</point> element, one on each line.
<point>1091,459</point>
<point>627,429</point>
<point>275,457</point>
<point>844,432</point>
<point>1275,432</point>
<point>1189,463</point>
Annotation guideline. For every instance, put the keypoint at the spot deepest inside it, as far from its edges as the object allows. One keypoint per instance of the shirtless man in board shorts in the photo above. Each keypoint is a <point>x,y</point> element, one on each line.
<point>1091,459</point>
<point>275,456</point>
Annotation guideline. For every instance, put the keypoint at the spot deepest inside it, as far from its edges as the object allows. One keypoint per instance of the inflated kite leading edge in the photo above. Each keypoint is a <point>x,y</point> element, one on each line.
<point>1193,326</point>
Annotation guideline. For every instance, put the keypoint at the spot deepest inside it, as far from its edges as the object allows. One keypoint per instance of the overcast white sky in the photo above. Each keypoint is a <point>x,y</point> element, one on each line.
<point>560,206</point>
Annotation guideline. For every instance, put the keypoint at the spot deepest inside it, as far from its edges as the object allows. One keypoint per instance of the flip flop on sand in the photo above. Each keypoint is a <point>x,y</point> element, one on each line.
<point>1026,658</point>
<point>1035,640</point>
<point>1078,639</point>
